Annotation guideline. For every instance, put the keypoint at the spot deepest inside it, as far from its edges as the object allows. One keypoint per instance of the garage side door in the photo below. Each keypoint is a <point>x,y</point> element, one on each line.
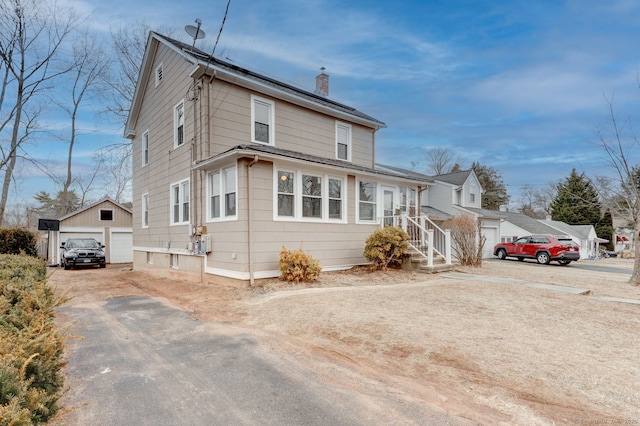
<point>491,235</point>
<point>121,249</point>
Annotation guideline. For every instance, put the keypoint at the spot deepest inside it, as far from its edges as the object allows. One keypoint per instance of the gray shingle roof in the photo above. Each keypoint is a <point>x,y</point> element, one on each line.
<point>212,61</point>
<point>285,153</point>
<point>455,178</point>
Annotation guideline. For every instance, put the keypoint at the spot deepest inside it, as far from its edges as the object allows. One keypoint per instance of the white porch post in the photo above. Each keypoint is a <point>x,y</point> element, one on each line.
<point>430,247</point>
<point>423,234</point>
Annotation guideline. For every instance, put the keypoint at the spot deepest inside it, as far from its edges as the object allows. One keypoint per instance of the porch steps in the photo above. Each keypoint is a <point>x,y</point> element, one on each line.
<point>418,263</point>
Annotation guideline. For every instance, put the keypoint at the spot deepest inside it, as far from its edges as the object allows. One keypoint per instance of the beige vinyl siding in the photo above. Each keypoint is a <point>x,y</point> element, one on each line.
<point>91,217</point>
<point>333,244</point>
<point>296,128</point>
<point>166,163</point>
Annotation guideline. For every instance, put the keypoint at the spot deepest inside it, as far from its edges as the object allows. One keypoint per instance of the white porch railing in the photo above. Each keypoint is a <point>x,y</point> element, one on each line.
<point>425,237</point>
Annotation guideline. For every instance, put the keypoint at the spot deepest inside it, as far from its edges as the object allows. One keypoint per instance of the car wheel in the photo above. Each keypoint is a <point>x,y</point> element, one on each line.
<point>103,265</point>
<point>502,254</point>
<point>543,258</point>
<point>66,266</point>
<point>564,262</point>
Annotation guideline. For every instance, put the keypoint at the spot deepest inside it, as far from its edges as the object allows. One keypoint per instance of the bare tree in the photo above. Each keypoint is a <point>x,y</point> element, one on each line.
<point>622,192</point>
<point>439,160</point>
<point>31,35</point>
<point>536,202</point>
<point>116,170</point>
<point>88,71</point>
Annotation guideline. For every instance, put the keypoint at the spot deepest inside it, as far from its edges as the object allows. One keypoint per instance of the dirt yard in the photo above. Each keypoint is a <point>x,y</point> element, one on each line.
<point>489,350</point>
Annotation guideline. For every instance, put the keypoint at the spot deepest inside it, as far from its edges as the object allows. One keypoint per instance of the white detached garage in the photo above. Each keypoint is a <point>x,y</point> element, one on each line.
<point>107,221</point>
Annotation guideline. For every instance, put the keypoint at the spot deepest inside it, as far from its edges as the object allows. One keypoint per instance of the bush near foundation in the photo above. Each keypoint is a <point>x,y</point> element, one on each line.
<point>386,246</point>
<point>17,241</point>
<point>31,347</point>
<point>298,266</point>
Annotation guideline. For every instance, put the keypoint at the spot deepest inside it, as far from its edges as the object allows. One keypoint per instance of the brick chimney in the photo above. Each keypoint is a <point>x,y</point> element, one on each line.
<point>322,83</point>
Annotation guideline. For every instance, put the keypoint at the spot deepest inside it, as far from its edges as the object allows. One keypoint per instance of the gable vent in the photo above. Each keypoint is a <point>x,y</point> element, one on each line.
<point>159,75</point>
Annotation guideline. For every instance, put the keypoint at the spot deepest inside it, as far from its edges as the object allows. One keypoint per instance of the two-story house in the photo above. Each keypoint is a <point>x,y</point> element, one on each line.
<point>230,165</point>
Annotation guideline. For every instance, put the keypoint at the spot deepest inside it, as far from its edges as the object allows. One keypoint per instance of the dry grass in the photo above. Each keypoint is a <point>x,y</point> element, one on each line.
<point>535,356</point>
<point>494,352</point>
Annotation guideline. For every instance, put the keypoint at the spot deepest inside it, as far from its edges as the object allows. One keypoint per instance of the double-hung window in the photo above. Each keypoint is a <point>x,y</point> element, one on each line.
<point>178,124</point>
<point>286,197</point>
<point>343,141</point>
<point>335,199</point>
<point>308,196</point>
<point>180,202</point>
<point>222,194</point>
<point>262,120</point>
<point>145,148</point>
<point>145,210</point>
<point>311,196</point>
<point>367,201</point>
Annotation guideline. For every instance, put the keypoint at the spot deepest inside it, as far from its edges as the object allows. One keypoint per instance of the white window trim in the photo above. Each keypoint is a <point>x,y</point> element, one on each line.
<point>349,141</point>
<point>145,148</point>
<point>272,120</point>
<point>175,125</point>
<point>377,210</point>
<point>179,184</point>
<point>222,217</point>
<point>297,197</point>
<point>145,207</point>
<point>160,74</point>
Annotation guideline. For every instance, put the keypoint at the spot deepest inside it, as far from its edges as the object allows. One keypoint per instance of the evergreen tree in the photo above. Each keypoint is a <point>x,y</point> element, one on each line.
<point>576,201</point>
<point>495,191</point>
<point>604,229</point>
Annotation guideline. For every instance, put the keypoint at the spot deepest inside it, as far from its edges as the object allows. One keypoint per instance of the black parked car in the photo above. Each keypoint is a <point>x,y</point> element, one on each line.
<point>81,252</point>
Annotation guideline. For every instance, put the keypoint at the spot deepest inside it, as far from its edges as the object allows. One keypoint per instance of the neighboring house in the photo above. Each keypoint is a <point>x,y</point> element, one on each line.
<point>453,190</point>
<point>106,221</point>
<point>229,166</point>
<point>502,226</point>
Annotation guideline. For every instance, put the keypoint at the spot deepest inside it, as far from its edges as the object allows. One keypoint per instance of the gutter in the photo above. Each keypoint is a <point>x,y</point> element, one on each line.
<point>250,220</point>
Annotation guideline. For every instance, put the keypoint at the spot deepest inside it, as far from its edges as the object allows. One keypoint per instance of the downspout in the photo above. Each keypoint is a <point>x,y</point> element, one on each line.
<point>250,220</point>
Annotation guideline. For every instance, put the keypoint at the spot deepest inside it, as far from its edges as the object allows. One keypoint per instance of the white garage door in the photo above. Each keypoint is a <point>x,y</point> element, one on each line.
<point>97,235</point>
<point>121,249</point>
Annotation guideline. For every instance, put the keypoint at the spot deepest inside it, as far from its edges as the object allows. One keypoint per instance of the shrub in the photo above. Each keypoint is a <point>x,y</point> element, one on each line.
<point>298,266</point>
<point>468,241</point>
<point>31,347</point>
<point>17,241</point>
<point>386,246</point>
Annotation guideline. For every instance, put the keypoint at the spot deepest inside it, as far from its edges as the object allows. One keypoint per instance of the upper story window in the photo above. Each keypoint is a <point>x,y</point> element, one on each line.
<point>159,74</point>
<point>145,148</point>
<point>472,193</point>
<point>223,194</point>
<point>106,214</point>
<point>180,202</point>
<point>262,120</point>
<point>367,201</point>
<point>308,196</point>
<point>145,210</point>
<point>343,141</point>
<point>178,124</point>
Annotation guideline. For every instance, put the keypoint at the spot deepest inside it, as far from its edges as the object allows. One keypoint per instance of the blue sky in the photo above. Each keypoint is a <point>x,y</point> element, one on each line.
<point>516,85</point>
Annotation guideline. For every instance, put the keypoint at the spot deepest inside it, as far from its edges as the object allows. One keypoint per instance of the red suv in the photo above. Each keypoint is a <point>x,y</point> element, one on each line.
<point>543,248</point>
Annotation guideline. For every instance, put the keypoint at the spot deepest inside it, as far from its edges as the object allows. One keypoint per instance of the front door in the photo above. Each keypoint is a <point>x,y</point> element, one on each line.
<point>387,205</point>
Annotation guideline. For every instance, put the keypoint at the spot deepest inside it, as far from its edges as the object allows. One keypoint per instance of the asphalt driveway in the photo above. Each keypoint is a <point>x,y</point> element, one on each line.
<point>142,362</point>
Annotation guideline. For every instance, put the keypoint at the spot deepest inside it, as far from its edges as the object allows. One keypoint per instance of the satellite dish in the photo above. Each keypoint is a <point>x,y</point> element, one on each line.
<point>195,32</point>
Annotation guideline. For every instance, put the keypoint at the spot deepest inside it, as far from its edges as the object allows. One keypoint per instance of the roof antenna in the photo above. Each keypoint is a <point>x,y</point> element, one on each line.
<point>195,32</point>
